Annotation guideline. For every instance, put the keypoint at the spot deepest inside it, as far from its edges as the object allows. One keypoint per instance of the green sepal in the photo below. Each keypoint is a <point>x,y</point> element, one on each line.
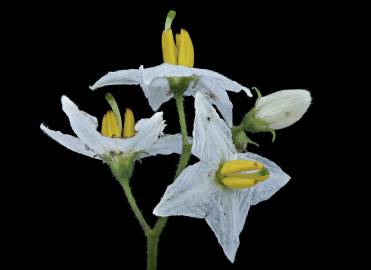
<point>240,139</point>
<point>178,85</point>
<point>273,135</point>
<point>122,166</point>
<point>251,123</point>
<point>257,92</point>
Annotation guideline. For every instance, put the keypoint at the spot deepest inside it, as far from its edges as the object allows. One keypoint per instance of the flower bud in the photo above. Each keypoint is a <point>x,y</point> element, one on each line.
<point>277,110</point>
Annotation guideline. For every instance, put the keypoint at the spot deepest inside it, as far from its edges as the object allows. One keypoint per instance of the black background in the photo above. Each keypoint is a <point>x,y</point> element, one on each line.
<point>71,212</point>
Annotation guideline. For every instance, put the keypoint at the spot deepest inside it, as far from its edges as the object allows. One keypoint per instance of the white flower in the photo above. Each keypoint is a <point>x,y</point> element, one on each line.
<point>200,191</point>
<point>147,141</point>
<point>155,84</point>
<point>283,108</point>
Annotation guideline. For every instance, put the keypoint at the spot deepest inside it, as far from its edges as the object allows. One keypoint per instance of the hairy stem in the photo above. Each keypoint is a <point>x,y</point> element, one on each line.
<point>134,207</point>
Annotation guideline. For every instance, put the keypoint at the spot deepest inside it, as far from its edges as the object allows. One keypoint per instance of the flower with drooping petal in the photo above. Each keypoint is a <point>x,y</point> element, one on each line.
<point>222,186</point>
<point>143,139</point>
<point>278,110</point>
<point>176,76</point>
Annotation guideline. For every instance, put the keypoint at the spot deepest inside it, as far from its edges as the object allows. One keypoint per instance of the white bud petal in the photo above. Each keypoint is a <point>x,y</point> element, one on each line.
<point>283,108</point>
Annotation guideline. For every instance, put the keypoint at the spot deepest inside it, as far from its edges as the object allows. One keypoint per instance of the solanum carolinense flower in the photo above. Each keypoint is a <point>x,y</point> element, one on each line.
<point>176,76</point>
<point>145,138</point>
<point>222,186</point>
<point>277,110</point>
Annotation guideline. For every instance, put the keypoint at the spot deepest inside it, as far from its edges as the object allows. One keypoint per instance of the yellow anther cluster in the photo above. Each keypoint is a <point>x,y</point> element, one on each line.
<point>242,173</point>
<point>110,126</point>
<point>180,51</point>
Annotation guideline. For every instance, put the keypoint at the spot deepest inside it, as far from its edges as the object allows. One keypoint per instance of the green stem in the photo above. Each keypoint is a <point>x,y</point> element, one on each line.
<point>153,234</point>
<point>138,214</point>
<point>152,250</point>
<point>183,162</point>
<point>182,121</point>
<point>186,147</point>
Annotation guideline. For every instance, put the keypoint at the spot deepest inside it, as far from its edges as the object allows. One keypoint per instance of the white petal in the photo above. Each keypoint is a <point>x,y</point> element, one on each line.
<point>157,92</point>
<point>166,145</point>
<point>85,127</point>
<point>130,76</point>
<point>277,179</point>
<point>212,139</point>
<point>192,194</point>
<point>168,70</point>
<point>227,217</point>
<point>219,97</point>
<point>147,133</point>
<point>165,70</point>
<point>69,142</point>
<point>221,81</point>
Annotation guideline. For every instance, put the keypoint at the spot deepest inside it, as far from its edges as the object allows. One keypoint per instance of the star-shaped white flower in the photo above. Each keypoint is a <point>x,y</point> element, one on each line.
<point>147,141</point>
<point>155,84</point>
<point>198,193</point>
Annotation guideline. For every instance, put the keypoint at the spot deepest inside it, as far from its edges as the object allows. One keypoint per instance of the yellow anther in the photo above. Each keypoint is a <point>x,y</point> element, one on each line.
<point>235,166</point>
<point>109,125</point>
<point>169,52</point>
<point>129,124</point>
<point>185,49</point>
<point>261,178</point>
<point>236,182</point>
<point>104,129</point>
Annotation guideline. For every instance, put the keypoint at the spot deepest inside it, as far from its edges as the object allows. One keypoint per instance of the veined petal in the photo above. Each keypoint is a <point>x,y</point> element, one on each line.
<point>164,71</point>
<point>212,139</point>
<point>129,77</point>
<point>157,93</point>
<point>192,194</point>
<point>166,145</point>
<point>218,97</point>
<point>168,70</point>
<point>69,142</point>
<point>147,133</point>
<point>221,81</point>
<point>227,217</point>
<point>277,179</point>
<point>155,85</point>
<point>85,127</point>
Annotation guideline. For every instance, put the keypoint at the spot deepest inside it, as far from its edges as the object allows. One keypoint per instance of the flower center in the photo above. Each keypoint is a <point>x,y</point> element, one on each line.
<point>180,51</point>
<point>112,124</point>
<point>238,174</point>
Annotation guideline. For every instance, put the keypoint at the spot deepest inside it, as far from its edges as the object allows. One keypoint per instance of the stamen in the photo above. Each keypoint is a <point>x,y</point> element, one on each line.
<point>169,52</point>
<point>234,174</point>
<point>113,129</point>
<point>234,182</point>
<point>104,129</point>
<point>129,124</point>
<point>235,166</point>
<point>185,49</point>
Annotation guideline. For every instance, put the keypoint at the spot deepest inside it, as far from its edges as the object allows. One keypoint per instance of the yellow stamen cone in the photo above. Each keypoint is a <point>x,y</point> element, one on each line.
<point>185,49</point>
<point>104,129</point>
<point>235,166</point>
<point>234,182</point>
<point>129,124</point>
<point>169,52</point>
